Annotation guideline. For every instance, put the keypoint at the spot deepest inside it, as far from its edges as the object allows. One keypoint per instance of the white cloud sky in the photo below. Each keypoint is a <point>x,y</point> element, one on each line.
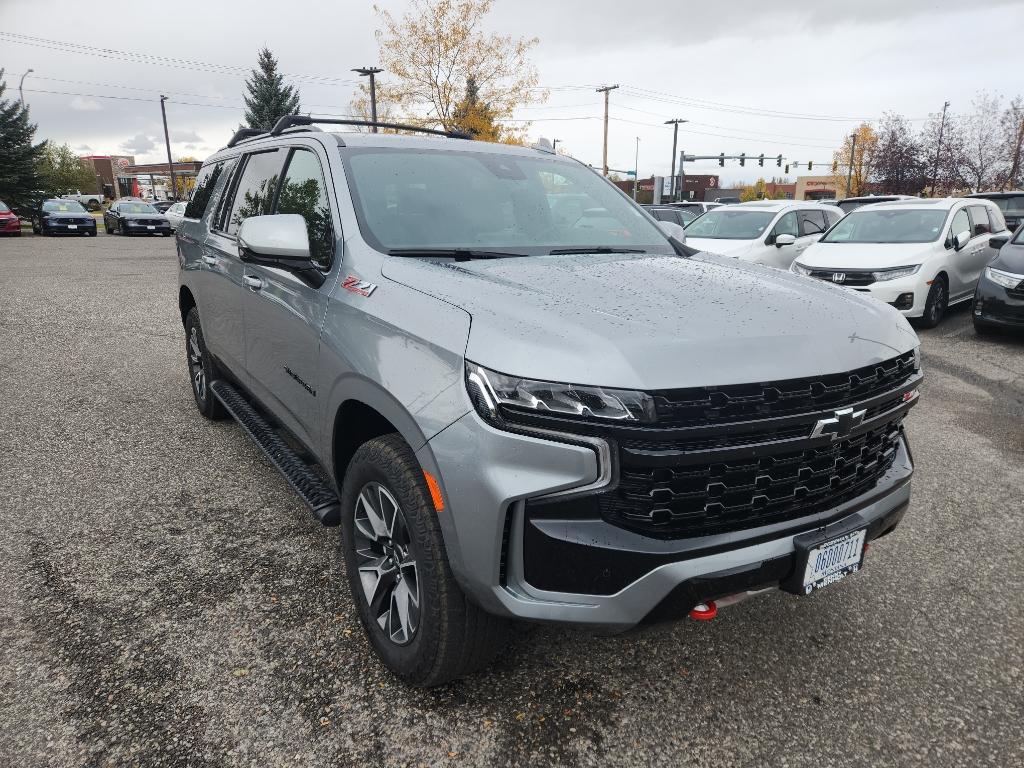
<point>723,66</point>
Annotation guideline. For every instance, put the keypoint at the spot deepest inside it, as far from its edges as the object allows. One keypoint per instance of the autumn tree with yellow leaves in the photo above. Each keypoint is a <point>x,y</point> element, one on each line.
<point>443,70</point>
<point>864,155</point>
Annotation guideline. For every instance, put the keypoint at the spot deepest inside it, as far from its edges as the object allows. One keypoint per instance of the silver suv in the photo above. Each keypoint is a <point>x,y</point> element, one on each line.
<point>521,399</point>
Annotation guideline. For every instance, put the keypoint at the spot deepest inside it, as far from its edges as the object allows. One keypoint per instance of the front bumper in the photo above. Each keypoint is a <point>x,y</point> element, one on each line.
<point>495,548</point>
<point>10,226</point>
<point>891,292</point>
<point>995,305</point>
<point>63,228</point>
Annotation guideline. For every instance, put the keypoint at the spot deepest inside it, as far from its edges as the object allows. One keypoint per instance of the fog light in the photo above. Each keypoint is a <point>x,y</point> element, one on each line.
<point>904,301</point>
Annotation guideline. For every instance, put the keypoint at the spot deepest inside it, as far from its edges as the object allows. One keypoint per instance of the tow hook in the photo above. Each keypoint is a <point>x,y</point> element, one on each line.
<point>704,611</point>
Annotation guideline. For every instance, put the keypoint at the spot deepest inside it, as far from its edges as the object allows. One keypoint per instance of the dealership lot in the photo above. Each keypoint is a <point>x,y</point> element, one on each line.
<point>166,600</point>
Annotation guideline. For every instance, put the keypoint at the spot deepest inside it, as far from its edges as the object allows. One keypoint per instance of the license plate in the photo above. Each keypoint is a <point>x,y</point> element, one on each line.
<point>150,226</point>
<point>72,226</point>
<point>830,561</point>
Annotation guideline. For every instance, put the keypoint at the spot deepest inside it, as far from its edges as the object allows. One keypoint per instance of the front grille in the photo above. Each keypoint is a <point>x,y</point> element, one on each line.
<point>848,278</point>
<point>716,405</point>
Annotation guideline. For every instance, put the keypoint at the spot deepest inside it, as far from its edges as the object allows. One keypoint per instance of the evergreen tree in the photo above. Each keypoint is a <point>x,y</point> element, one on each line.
<point>269,99</point>
<point>475,117</point>
<point>19,178</point>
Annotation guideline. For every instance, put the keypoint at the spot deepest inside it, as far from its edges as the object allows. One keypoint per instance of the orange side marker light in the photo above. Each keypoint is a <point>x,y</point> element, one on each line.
<point>435,491</point>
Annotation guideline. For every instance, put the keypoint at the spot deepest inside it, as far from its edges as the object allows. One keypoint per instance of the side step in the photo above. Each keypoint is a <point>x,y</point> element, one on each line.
<point>310,486</point>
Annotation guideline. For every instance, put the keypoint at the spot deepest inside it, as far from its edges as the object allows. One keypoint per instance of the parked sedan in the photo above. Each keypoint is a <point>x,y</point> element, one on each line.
<point>999,299</point>
<point>175,214</point>
<point>920,256</point>
<point>10,224</point>
<point>133,217</point>
<point>62,217</point>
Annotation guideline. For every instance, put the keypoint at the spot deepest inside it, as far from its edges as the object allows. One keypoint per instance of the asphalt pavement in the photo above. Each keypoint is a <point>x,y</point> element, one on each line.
<point>166,600</point>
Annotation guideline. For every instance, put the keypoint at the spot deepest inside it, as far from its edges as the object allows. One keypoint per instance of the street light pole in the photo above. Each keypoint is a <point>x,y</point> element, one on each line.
<point>371,72</point>
<point>167,141</point>
<point>675,136</point>
<point>636,168</point>
<point>21,84</point>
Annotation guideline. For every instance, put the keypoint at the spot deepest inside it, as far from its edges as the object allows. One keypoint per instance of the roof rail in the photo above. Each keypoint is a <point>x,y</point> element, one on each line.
<point>244,133</point>
<point>289,121</point>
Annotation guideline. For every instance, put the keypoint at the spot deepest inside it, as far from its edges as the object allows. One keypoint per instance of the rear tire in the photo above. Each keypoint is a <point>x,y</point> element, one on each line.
<point>440,636</point>
<point>936,303</point>
<point>202,370</point>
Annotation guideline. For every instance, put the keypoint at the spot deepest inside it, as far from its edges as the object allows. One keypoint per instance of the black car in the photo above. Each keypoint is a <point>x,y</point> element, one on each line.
<point>1010,203</point>
<point>680,216</point>
<point>62,217</point>
<point>999,298</point>
<point>163,205</point>
<point>134,217</point>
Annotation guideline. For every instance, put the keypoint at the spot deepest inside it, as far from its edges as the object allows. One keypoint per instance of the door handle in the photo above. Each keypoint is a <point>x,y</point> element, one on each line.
<point>211,260</point>
<point>253,282</point>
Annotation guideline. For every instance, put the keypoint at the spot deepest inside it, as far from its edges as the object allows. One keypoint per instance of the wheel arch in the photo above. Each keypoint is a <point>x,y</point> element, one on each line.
<point>185,302</point>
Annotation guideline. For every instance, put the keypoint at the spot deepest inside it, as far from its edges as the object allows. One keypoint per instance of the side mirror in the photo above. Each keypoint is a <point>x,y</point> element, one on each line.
<point>280,240</point>
<point>998,241</point>
<point>673,230</point>
<point>784,239</point>
<point>961,239</point>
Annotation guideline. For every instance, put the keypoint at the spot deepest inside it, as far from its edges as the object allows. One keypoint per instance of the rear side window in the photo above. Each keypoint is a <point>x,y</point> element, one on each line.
<point>812,222</point>
<point>205,184</point>
<point>979,220</point>
<point>996,220</point>
<point>304,192</point>
<point>254,192</point>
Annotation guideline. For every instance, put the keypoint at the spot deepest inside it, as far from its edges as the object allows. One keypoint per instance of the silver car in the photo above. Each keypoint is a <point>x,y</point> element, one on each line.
<point>521,399</point>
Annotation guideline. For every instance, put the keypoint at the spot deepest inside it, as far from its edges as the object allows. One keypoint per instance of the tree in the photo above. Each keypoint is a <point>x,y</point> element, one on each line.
<point>941,158</point>
<point>19,156</point>
<point>1011,125</point>
<point>268,98</point>
<point>475,117</point>
<point>431,53</point>
<point>62,171</point>
<point>981,160</point>
<point>759,191</point>
<point>863,160</point>
<point>899,165</point>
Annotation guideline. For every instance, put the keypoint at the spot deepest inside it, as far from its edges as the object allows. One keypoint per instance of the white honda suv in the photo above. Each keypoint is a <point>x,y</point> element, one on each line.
<point>772,232</point>
<point>920,256</point>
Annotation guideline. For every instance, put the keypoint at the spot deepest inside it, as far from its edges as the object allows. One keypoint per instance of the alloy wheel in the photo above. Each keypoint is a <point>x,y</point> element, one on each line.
<point>387,565</point>
<point>939,305</point>
<point>195,364</point>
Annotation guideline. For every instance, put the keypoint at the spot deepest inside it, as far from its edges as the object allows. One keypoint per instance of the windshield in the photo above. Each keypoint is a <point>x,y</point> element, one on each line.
<point>63,206</point>
<point>1009,204</point>
<point>730,224</point>
<point>888,226</point>
<point>441,199</point>
<point>136,208</point>
<point>4,208</point>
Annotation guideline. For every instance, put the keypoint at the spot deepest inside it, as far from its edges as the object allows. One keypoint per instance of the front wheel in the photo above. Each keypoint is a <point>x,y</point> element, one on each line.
<point>936,303</point>
<point>419,622</point>
<point>202,370</point>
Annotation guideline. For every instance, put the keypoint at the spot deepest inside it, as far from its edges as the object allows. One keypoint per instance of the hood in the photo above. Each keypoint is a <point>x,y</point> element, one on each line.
<point>1010,259</point>
<point>865,255</point>
<point>66,215</point>
<point>154,215</point>
<point>653,322</point>
<point>721,247</point>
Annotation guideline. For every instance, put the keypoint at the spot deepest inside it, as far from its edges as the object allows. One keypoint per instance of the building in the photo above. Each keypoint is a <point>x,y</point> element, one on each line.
<point>110,173</point>
<point>817,188</point>
<point>691,187</point>
<point>779,191</point>
<point>119,176</point>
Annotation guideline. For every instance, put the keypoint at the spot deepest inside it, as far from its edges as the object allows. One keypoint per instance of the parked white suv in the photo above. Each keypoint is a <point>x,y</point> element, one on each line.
<point>772,232</point>
<point>920,256</point>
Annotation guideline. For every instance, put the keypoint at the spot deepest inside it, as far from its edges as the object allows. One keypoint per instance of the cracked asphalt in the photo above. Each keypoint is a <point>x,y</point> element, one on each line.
<point>165,600</point>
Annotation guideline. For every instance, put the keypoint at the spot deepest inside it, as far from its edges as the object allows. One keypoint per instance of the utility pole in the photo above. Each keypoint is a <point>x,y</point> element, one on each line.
<point>682,173</point>
<point>167,141</point>
<point>675,135</point>
<point>849,171</point>
<point>21,84</point>
<point>636,168</point>
<point>554,145</point>
<point>371,72</point>
<point>938,149</point>
<point>605,90</point>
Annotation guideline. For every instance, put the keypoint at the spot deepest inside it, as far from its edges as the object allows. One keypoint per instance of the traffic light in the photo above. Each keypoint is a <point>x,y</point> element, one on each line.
<point>760,161</point>
<point>743,159</point>
<point>721,159</point>
<point>810,165</point>
<point>778,161</point>
<point>787,167</point>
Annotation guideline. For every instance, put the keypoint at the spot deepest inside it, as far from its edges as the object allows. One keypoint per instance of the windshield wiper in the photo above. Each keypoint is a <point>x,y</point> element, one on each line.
<point>594,249</point>
<point>459,254</point>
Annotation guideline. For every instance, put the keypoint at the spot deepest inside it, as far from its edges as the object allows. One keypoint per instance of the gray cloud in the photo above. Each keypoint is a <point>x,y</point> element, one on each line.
<point>190,136</point>
<point>139,145</point>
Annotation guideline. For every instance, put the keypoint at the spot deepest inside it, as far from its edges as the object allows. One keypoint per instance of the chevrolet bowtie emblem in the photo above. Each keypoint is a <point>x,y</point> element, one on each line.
<point>839,425</point>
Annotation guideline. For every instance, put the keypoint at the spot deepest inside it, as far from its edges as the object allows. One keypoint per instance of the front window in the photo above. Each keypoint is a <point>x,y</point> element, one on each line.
<point>136,208</point>
<point>63,206</point>
<point>450,199</point>
<point>732,224</point>
<point>912,225</point>
<point>4,208</point>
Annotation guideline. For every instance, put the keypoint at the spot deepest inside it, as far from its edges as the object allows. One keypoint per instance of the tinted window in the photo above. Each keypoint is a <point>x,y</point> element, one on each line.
<point>135,208</point>
<point>304,192</point>
<point>812,222</point>
<point>849,205</point>
<point>787,225</point>
<point>870,225</point>
<point>63,206</point>
<point>205,183</point>
<point>254,193</point>
<point>961,223</point>
<point>979,220</point>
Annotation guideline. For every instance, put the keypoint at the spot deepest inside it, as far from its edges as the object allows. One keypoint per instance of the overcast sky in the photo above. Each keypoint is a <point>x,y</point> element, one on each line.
<point>724,66</point>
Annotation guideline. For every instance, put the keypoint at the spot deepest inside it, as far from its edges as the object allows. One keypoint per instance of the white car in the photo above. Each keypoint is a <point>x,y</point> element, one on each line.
<point>772,232</point>
<point>175,214</point>
<point>920,256</point>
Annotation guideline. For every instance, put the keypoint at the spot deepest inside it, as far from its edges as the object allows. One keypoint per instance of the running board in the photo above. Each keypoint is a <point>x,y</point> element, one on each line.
<point>311,487</point>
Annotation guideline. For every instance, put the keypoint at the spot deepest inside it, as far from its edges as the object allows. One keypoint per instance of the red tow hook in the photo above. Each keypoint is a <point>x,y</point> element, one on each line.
<point>704,611</point>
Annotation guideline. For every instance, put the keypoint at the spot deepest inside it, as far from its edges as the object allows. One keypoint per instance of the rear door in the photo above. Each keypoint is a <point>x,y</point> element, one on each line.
<point>250,193</point>
<point>284,312</point>
<point>978,253</point>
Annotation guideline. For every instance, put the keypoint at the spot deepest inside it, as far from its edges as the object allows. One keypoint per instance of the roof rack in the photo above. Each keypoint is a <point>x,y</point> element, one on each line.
<point>244,133</point>
<point>288,121</point>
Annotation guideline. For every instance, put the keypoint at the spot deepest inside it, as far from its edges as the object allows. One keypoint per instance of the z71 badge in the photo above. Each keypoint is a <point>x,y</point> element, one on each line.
<point>354,284</point>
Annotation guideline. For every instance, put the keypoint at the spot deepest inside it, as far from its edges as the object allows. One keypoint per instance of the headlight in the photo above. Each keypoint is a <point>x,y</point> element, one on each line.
<point>492,393</point>
<point>1005,279</point>
<point>800,269</point>
<point>895,274</point>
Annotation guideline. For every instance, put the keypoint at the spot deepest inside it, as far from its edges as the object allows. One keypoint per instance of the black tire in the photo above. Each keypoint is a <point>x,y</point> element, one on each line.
<point>452,637</point>
<point>120,229</point>
<point>936,303</point>
<point>199,362</point>
<point>91,233</point>
<point>36,229</point>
